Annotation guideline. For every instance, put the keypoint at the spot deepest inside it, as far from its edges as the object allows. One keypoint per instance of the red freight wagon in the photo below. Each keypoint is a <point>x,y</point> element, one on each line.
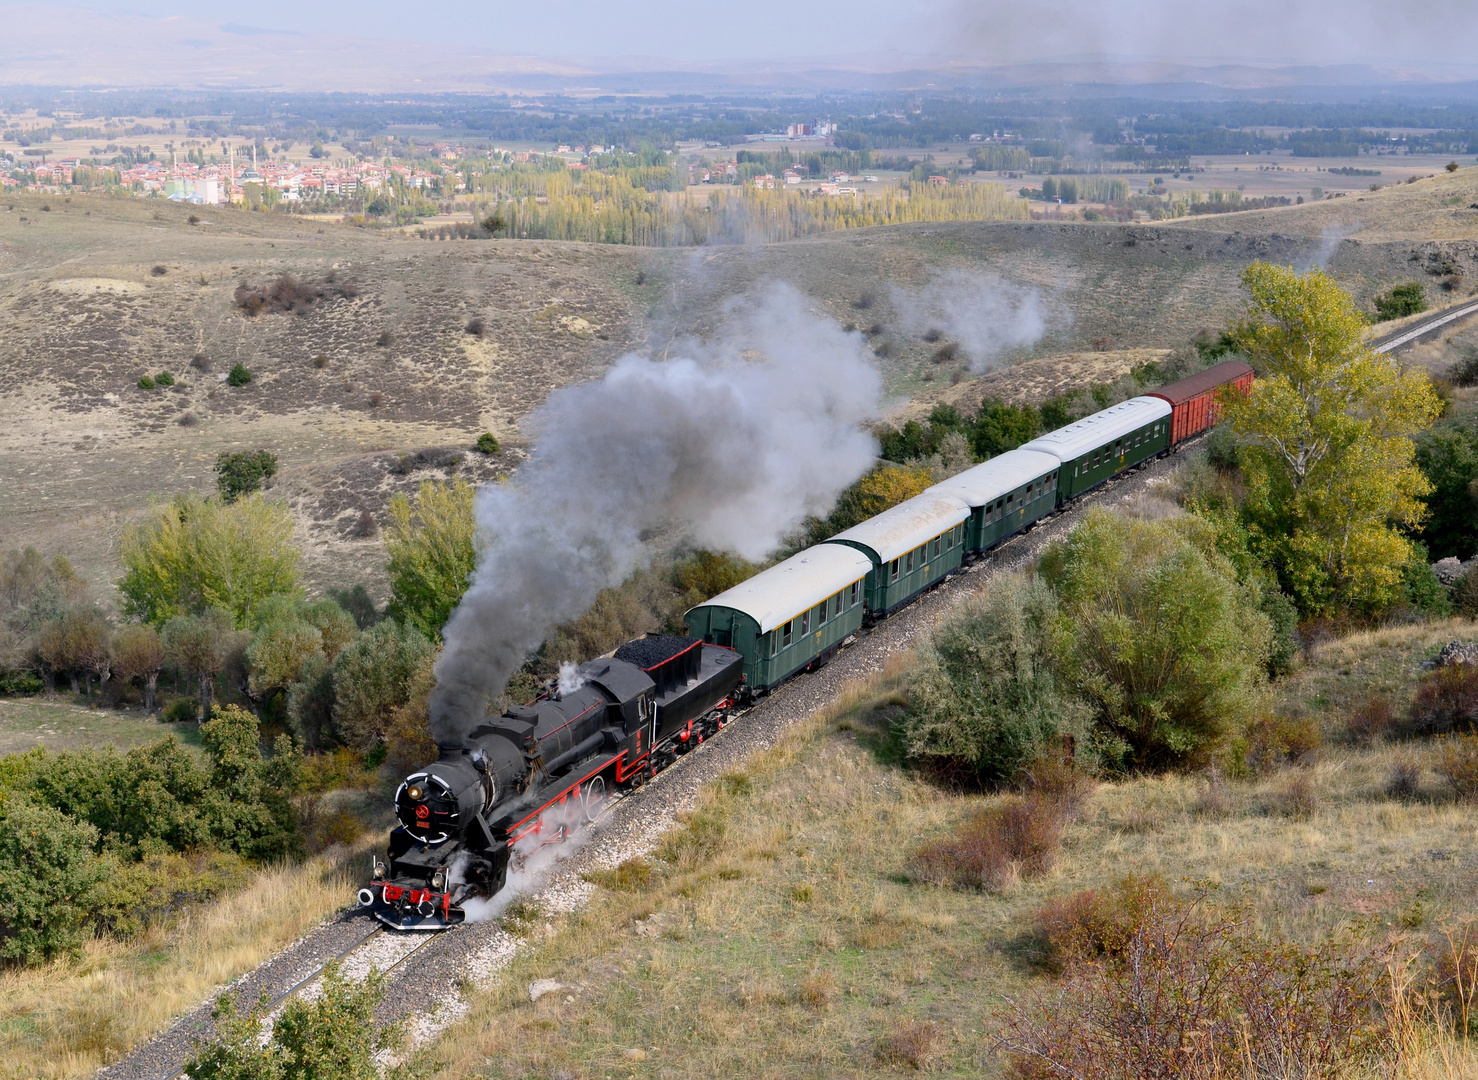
<point>1193,406</point>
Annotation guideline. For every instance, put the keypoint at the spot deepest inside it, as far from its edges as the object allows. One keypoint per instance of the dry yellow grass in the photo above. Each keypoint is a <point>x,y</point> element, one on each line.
<point>780,934</point>
<point>68,1018</point>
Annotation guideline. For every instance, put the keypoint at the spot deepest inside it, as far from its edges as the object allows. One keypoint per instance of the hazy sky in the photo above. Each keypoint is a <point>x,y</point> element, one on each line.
<point>1323,31</point>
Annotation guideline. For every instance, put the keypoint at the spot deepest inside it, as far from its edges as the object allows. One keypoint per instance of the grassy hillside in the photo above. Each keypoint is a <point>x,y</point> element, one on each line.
<point>95,293</point>
<point>783,932</point>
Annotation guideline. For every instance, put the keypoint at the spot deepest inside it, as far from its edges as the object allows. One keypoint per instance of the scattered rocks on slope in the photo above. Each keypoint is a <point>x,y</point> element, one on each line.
<point>1458,652</point>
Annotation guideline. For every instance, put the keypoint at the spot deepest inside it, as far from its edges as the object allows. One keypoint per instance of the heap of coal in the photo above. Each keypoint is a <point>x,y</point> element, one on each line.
<point>649,651</point>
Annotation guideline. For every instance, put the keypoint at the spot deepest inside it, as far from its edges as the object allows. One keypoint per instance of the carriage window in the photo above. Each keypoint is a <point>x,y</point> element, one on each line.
<point>949,541</point>
<point>821,613</point>
<point>856,590</point>
<point>785,634</point>
<point>805,624</point>
<point>938,541</point>
<point>894,574</point>
<point>772,641</point>
<point>837,604</point>
<point>908,563</point>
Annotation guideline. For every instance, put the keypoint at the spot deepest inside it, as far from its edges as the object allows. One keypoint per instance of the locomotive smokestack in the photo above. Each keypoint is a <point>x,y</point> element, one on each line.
<point>736,442</point>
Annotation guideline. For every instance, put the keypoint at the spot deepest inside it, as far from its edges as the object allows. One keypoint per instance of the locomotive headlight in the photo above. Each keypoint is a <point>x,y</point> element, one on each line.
<point>416,792</point>
<point>438,881</point>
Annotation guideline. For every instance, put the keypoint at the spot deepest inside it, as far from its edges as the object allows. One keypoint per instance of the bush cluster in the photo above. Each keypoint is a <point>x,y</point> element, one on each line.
<point>81,830</point>
<point>1156,986</point>
<point>1018,838</point>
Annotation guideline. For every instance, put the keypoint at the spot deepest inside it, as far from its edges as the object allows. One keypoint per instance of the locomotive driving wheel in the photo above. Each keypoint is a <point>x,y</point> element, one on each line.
<point>593,797</point>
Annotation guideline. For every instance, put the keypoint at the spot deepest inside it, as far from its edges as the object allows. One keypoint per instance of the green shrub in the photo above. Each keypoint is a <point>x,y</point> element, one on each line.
<point>158,798</point>
<point>1158,635</point>
<point>983,698</point>
<point>1282,615</point>
<point>146,382</point>
<point>21,683</point>
<point>487,443</point>
<point>1465,596</point>
<point>49,881</point>
<point>185,710</point>
<point>164,378</point>
<point>333,1037</point>
<point>372,679</point>
<point>1423,591</point>
<point>240,375</point>
<point>243,472</point>
<point>1401,301</point>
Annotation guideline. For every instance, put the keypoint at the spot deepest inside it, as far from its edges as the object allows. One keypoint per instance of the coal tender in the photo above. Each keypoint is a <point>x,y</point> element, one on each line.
<point>527,778</point>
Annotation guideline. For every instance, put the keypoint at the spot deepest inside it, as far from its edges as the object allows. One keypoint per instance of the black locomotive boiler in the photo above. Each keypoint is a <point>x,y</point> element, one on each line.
<point>526,778</point>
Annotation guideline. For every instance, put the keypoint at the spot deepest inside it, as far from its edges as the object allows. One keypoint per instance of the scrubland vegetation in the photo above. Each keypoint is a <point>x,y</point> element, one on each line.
<point>1188,797</point>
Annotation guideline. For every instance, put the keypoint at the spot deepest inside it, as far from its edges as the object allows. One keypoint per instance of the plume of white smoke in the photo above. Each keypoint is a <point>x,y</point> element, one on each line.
<point>532,859</point>
<point>987,315</point>
<point>736,443</point>
<point>1329,242</point>
<point>570,678</point>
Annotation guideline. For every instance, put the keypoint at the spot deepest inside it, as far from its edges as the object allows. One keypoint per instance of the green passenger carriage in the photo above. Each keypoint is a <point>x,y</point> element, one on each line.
<point>1005,495</point>
<point>788,617</point>
<point>914,545</point>
<point>1098,447</point>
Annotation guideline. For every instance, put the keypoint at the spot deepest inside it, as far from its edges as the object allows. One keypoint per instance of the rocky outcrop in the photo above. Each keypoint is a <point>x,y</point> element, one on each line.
<point>1458,652</point>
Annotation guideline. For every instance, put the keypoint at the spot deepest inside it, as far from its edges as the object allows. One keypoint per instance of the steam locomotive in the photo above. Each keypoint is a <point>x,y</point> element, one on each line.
<point>527,778</point>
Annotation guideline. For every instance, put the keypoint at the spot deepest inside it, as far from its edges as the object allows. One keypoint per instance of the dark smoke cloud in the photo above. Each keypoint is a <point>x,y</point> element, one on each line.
<point>988,316</point>
<point>736,442</point>
<point>1200,31</point>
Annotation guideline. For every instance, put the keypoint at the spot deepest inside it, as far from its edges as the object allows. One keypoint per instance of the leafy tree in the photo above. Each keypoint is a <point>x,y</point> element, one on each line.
<point>242,473</point>
<point>333,1037</point>
<point>240,375</point>
<point>139,654</point>
<point>76,642</point>
<point>487,443</point>
<point>1448,458</point>
<point>310,704</point>
<point>1401,301</point>
<point>983,698</point>
<point>49,881</point>
<point>704,574</point>
<point>1326,449</point>
<point>251,813</point>
<point>200,645</point>
<point>881,489</point>
<point>432,544</point>
<point>1157,634</point>
<point>278,652</point>
<point>372,678</point>
<point>193,553</point>
<point>1000,427</point>
<point>1056,412</point>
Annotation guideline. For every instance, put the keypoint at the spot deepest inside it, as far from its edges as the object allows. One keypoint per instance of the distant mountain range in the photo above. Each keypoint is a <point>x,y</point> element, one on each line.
<point>64,47</point>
